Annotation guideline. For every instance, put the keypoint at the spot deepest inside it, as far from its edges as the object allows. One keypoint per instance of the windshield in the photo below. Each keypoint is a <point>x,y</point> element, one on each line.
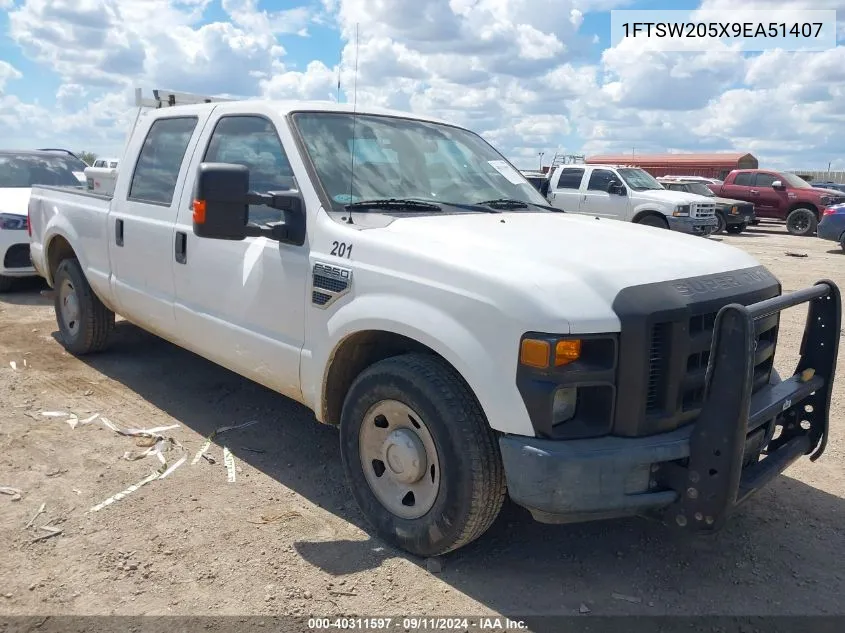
<point>405,158</point>
<point>701,189</point>
<point>794,181</point>
<point>639,180</point>
<point>26,170</point>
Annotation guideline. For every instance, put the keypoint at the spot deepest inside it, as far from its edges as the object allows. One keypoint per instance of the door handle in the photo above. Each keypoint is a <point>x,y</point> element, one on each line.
<point>754,191</point>
<point>118,232</point>
<point>181,247</point>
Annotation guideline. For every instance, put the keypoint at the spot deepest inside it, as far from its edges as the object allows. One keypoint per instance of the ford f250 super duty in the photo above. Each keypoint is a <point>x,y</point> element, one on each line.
<point>780,195</point>
<point>398,276</point>
<point>631,195</point>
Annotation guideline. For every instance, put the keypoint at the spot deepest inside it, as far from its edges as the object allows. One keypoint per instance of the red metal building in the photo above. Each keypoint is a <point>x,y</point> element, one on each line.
<point>707,165</point>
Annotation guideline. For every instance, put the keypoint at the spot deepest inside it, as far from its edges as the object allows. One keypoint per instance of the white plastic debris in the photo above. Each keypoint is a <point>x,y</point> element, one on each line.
<point>229,461</point>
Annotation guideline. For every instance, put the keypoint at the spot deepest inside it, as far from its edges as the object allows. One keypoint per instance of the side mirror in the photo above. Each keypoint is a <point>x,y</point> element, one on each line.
<point>616,188</point>
<point>777,184</point>
<point>222,200</point>
<point>221,210</point>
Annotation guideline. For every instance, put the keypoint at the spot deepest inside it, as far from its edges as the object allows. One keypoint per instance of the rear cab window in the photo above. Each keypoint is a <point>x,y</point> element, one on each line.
<point>160,160</point>
<point>570,178</point>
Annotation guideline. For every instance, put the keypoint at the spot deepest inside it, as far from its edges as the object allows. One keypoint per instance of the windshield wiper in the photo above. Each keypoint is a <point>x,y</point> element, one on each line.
<point>504,203</point>
<point>394,204</point>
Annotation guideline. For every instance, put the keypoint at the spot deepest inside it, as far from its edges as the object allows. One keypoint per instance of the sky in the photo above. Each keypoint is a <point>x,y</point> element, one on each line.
<point>530,76</point>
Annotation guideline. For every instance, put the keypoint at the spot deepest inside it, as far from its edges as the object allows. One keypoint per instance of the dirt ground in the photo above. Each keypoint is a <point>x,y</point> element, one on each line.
<point>286,537</point>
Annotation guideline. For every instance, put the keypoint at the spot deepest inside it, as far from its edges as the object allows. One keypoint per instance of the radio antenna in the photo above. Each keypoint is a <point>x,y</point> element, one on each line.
<point>354,121</point>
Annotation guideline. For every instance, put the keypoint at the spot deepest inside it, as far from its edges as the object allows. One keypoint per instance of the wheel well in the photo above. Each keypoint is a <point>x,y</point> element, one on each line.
<point>805,205</point>
<point>643,214</point>
<point>59,249</point>
<point>353,355</point>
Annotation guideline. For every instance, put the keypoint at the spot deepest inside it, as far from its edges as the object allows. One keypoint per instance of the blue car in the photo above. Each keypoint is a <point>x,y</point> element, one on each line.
<point>834,186</point>
<point>832,226</point>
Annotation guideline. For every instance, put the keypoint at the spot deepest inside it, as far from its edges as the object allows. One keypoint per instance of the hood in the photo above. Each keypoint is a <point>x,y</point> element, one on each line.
<point>672,197</point>
<point>552,265</point>
<point>729,201</point>
<point>14,200</point>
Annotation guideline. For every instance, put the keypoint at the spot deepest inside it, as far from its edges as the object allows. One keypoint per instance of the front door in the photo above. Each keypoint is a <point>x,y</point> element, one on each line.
<point>768,200</point>
<point>597,201</point>
<point>242,303</point>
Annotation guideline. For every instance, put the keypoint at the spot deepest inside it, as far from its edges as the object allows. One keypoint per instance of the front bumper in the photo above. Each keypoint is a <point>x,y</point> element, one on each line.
<point>740,217</point>
<point>696,475</point>
<point>693,226</point>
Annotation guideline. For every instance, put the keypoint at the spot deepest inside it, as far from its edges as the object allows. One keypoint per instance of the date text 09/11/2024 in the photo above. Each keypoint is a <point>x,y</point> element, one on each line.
<point>422,623</point>
<point>723,29</point>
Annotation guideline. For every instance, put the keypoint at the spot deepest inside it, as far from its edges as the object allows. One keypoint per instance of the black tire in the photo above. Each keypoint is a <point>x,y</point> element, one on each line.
<point>842,241</point>
<point>802,222</point>
<point>95,321</point>
<point>736,229</point>
<point>653,220</point>
<point>472,482</point>
<point>6,283</point>
<point>722,223</point>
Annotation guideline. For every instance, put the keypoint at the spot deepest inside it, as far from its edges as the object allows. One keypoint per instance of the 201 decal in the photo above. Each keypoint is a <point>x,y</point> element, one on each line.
<point>341,249</point>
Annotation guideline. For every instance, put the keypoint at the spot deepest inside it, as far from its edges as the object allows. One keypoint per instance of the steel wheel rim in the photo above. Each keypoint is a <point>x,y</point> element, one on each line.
<point>399,459</point>
<point>69,306</point>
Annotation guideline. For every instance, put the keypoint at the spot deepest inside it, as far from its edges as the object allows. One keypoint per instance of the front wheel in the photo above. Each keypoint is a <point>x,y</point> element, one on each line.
<point>84,322</point>
<point>802,221</point>
<point>736,229</point>
<point>654,220</point>
<point>421,460</point>
<point>842,241</point>
<point>722,224</point>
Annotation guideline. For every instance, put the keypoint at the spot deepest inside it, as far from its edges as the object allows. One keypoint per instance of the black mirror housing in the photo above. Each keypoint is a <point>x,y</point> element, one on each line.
<point>221,199</point>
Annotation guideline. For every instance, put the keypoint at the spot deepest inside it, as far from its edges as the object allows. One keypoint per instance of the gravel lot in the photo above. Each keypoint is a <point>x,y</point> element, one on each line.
<point>286,537</point>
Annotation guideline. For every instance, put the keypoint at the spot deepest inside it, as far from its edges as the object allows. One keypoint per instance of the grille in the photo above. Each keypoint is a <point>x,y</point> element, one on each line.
<point>703,210</point>
<point>17,256</point>
<point>701,334</point>
<point>678,389</point>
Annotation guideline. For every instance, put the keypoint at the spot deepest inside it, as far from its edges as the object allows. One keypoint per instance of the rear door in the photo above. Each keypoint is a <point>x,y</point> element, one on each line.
<point>595,199</point>
<point>740,188</point>
<point>142,215</point>
<point>564,190</point>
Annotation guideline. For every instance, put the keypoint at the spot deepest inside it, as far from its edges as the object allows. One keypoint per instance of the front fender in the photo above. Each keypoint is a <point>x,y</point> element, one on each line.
<point>487,364</point>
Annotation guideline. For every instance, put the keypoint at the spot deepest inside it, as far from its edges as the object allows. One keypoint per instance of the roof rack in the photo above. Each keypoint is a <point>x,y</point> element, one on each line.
<point>168,98</point>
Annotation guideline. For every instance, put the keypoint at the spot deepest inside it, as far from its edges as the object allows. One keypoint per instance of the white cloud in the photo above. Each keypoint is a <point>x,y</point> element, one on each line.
<point>518,71</point>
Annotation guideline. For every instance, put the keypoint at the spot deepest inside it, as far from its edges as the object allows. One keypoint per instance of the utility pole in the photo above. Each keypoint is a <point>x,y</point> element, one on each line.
<point>541,159</point>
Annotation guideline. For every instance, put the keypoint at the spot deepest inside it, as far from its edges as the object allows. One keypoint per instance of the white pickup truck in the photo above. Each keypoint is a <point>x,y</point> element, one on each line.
<point>631,195</point>
<point>398,276</point>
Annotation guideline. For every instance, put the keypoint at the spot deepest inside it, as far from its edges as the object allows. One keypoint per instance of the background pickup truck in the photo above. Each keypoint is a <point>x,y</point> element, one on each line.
<point>779,195</point>
<point>468,340</point>
<point>734,216</point>
<point>631,195</point>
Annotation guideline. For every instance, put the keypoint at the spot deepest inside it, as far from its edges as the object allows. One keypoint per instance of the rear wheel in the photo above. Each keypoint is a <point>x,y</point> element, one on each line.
<point>84,322</point>
<point>421,460</point>
<point>842,241</point>
<point>6,283</point>
<point>653,220</point>
<point>736,229</point>
<point>802,221</point>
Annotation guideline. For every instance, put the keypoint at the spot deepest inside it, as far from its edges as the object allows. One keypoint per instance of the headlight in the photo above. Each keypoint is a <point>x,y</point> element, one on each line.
<point>826,200</point>
<point>682,210</point>
<point>563,406</point>
<point>12,222</point>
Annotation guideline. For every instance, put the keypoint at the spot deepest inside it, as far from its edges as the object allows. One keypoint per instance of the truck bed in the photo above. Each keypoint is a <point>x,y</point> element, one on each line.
<point>81,217</point>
